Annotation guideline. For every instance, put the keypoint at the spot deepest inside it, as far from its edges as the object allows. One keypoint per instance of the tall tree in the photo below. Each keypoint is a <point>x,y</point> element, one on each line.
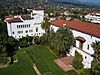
<point>77,62</point>
<point>46,25</point>
<point>3,28</point>
<point>63,40</point>
<point>96,61</point>
<point>11,45</point>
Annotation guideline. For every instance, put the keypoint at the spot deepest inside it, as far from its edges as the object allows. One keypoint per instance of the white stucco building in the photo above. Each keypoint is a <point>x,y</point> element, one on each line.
<point>26,25</point>
<point>93,17</point>
<point>84,33</point>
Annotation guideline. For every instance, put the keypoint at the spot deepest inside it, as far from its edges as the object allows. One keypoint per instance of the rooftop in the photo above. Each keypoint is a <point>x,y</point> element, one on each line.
<point>12,19</point>
<point>38,8</point>
<point>95,13</point>
<point>85,27</point>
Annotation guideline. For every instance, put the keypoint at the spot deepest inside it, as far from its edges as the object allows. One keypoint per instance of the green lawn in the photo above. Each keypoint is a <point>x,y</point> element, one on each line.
<point>39,54</point>
<point>22,67</point>
<point>45,61</point>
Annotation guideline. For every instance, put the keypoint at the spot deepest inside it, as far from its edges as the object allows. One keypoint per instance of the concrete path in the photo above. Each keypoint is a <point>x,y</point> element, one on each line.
<point>36,69</point>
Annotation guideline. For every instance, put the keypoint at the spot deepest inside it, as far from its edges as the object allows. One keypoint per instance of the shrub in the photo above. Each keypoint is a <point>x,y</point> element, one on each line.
<point>25,41</point>
<point>77,62</point>
<point>37,40</point>
<point>86,72</point>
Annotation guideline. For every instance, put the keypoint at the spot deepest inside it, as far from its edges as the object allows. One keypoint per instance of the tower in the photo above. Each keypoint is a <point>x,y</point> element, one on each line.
<point>38,14</point>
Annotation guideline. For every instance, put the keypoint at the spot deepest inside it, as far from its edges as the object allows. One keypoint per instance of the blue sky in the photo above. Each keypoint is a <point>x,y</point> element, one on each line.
<point>90,1</point>
<point>97,2</point>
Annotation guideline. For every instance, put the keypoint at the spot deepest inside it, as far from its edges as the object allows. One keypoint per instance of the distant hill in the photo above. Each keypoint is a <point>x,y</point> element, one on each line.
<point>79,2</point>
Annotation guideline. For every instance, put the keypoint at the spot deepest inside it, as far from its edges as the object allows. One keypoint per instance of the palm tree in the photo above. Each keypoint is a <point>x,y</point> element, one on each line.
<point>96,61</point>
<point>46,25</point>
<point>63,40</point>
<point>96,47</point>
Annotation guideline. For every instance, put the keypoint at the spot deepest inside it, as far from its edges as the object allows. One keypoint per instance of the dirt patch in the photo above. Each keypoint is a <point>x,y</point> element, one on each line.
<point>65,63</point>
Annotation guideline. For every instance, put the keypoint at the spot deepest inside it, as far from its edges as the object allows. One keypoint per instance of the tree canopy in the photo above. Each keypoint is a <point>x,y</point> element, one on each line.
<point>96,61</point>
<point>63,39</point>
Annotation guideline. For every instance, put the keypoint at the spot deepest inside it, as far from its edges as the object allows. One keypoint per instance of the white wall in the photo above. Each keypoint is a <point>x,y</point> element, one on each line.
<point>9,29</point>
<point>33,27</point>
<point>55,28</point>
<point>94,19</point>
<point>38,18</point>
<point>89,39</point>
<point>34,23</point>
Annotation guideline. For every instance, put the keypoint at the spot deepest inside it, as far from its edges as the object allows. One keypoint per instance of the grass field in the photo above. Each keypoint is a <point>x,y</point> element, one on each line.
<point>41,55</point>
<point>22,67</point>
<point>45,61</point>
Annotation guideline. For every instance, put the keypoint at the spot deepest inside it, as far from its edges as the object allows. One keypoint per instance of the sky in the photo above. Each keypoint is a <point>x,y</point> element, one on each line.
<point>90,1</point>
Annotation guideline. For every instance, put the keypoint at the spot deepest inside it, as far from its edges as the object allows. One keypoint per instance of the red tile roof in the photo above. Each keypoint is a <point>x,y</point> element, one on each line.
<point>9,16</point>
<point>14,20</point>
<point>38,8</point>
<point>26,17</point>
<point>85,27</point>
<point>82,39</point>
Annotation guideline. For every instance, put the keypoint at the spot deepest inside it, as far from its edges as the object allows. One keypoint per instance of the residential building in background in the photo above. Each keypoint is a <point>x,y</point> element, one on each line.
<point>93,17</point>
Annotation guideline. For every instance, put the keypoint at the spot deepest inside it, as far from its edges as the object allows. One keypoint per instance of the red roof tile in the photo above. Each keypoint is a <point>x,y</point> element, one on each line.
<point>14,20</point>
<point>82,39</point>
<point>85,27</point>
<point>25,17</point>
<point>38,8</point>
<point>9,17</point>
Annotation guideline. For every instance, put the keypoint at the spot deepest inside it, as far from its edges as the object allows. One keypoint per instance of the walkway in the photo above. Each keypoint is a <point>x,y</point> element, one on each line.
<point>65,63</point>
<point>36,69</point>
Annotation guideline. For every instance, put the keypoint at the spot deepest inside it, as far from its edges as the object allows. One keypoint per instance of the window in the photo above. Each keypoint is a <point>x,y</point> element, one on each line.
<point>30,30</point>
<point>91,36</point>
<point>85,57</point>
<point>25,26</point>
<point>36,29</point>
<point>26,31</point>
<point>29,25</point>
<point>13,32</point>
<point>17,26</point>
<point>19,32</point>
<point>37,23</point>
<point>21,26</point>
<point>88,47</point>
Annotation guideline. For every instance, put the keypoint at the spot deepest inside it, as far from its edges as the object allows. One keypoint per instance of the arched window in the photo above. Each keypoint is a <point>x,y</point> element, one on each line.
<point>36,29</point>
